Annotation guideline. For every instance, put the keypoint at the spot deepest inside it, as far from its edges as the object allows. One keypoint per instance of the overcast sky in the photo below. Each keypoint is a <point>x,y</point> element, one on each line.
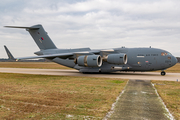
<point>91,23</point>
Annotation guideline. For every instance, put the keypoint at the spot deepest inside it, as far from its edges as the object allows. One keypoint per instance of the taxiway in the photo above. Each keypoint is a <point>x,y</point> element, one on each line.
<point>124,75</point>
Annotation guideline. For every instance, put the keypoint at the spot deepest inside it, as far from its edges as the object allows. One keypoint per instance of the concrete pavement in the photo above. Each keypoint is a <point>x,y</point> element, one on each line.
<point>124,75</point>
<point>139,102</point>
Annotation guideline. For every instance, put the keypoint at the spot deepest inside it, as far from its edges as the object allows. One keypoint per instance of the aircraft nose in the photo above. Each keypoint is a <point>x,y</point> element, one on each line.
<point>174,60</point>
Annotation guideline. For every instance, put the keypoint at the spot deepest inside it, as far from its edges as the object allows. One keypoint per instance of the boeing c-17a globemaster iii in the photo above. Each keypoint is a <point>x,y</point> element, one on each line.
<point>102,60</point>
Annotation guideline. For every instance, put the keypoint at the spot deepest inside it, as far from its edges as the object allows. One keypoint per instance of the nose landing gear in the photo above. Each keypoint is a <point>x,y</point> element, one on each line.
<point>163,73</point>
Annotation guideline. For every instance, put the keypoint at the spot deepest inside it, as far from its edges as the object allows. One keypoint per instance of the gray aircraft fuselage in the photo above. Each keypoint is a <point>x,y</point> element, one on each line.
<point>101,60</point>
<point>138,59</point>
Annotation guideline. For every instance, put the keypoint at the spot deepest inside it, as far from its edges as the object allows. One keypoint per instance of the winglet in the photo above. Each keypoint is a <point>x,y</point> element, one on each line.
<point>9,53</point>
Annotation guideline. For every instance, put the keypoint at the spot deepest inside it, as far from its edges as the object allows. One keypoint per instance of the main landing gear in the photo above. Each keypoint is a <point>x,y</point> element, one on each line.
<point>163,73</point>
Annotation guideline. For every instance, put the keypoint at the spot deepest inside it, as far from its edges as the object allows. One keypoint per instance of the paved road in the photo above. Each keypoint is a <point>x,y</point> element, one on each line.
<point>124,75</point>
<point>139,102</point>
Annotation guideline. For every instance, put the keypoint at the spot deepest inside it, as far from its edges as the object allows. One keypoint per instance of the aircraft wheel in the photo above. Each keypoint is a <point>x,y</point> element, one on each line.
<point>163,73</point>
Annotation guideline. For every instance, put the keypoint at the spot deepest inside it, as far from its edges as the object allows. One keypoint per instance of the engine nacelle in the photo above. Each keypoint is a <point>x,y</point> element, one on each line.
<point>117,58</point>
<point>90,61</point>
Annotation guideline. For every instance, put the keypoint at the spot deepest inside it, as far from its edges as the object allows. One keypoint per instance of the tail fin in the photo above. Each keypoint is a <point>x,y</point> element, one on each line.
<point>40,36</point>
<point>9,53</point>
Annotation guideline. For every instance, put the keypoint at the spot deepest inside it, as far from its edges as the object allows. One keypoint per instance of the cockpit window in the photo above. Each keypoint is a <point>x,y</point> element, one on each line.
<point>169,54</point>
<point>162,54</point>
<point>165,53</point>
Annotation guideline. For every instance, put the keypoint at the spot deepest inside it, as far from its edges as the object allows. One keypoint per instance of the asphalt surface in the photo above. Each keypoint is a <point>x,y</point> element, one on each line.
<point>124,75</point>
<point>139,102</point>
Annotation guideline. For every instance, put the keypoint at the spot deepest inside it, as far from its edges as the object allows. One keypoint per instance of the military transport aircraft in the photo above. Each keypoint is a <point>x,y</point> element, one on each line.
<point>104,60</point>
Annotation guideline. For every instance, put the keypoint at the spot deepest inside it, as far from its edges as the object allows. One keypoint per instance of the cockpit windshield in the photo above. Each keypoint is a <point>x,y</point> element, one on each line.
<point>169,54</point>
<point>165,53</point>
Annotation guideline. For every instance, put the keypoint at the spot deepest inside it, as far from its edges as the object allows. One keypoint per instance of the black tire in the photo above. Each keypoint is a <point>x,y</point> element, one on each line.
<point>163,73</point>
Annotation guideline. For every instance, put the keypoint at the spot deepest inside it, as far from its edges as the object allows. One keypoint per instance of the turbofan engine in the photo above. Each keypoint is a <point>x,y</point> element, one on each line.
<point>116,58</point>
<point>89,61</point>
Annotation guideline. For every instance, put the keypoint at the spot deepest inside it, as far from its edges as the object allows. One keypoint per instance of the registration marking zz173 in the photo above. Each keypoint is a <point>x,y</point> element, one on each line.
<point>40,40</point>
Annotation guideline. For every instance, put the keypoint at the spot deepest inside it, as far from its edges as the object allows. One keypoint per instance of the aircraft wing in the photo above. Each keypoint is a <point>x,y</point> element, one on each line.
<point>64,55</point>
<point>47,56</point>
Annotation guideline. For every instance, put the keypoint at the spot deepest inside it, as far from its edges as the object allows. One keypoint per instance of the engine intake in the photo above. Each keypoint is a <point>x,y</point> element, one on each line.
<point>116,58</point>
<point>89,61</point>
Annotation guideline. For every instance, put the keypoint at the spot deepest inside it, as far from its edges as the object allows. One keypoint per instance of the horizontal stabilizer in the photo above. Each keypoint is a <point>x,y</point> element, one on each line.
<point>39,35</point>
<point>31,28</point>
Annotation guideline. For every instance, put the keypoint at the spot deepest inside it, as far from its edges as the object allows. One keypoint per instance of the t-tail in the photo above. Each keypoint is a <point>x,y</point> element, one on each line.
<point>9,53</point>
<point>40,36</point>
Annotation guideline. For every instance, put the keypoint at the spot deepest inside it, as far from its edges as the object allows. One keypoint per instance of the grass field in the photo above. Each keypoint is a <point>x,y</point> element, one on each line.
<point>174,69</point>
<point>169,91</point>
<point>56,97</point>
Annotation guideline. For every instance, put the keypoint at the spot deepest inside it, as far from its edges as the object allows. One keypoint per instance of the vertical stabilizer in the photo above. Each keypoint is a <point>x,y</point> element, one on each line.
<point>9,53</point>
<point>40,36</point>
